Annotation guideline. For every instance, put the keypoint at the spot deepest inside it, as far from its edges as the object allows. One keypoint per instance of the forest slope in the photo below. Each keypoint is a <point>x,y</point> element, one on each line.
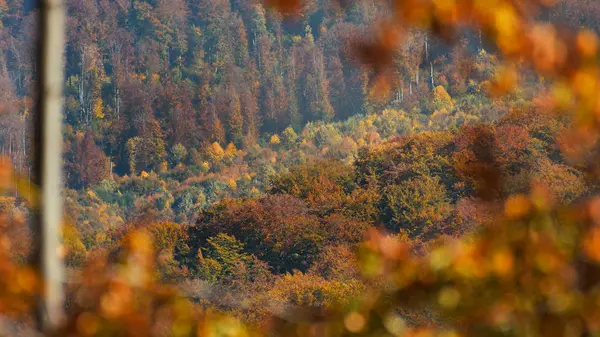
<point>256,150</point>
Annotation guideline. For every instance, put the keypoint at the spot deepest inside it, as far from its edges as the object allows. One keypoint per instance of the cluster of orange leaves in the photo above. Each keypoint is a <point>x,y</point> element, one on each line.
<point>124,299</point>
<point>19,285</point>
<point>536,271</point>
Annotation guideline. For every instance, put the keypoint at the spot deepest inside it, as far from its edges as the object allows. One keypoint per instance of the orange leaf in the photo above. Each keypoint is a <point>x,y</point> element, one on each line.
<point>516,206</point>
<point>6,173</point>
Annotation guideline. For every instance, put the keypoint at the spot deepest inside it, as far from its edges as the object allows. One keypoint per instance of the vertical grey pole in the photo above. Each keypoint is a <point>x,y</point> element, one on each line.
<point>48,162</point>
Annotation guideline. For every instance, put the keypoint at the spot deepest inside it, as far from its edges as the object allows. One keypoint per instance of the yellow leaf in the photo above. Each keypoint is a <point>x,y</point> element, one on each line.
<point>98,109</point>
<point>274,140</point>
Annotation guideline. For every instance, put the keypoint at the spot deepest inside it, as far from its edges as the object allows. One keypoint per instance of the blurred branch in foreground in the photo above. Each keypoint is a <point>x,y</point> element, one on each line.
<point>48,162</point>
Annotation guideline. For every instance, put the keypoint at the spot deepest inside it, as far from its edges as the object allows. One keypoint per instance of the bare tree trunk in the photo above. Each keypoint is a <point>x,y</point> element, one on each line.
<point>118,102</point>
<point>431,71</point>
<point>417,76</point>
<point>426,48</point>
<point>83,98</point>
<point>48,170</point>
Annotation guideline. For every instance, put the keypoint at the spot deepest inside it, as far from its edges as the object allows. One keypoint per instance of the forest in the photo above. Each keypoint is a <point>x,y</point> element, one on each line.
<point>268,161</point>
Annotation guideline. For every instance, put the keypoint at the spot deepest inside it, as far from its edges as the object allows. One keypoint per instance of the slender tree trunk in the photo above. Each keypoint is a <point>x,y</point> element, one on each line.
<point>118,103</point>
<point>431,71</point>
<point>426,48</point>
<point>82,100</point>
<point>417,76</point>
<point>48,170</point>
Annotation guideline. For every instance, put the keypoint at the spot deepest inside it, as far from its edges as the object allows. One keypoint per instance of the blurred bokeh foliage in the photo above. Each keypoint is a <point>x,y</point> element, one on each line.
<point>533,269</point>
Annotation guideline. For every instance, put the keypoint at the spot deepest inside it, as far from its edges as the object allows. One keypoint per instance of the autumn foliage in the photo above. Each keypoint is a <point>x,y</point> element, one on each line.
<point>231,172</point>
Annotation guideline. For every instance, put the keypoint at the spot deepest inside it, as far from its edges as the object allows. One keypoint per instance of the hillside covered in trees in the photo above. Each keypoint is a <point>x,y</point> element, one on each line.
<point>151,83</point>
<point>258,150</point>
<point>179,88</point>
